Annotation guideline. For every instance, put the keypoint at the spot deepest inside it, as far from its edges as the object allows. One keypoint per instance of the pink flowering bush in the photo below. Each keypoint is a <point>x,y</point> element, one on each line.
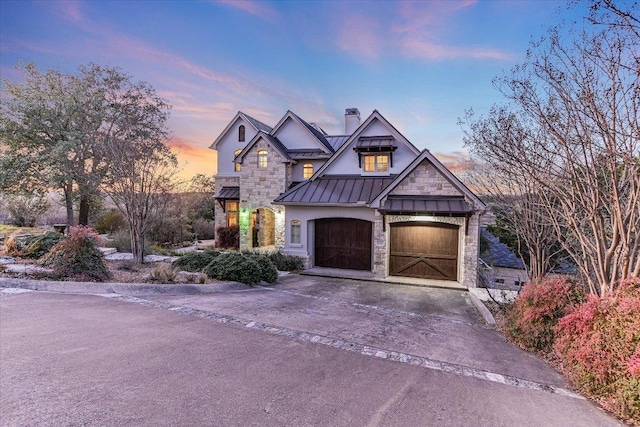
<point>78,256</point>
<point>599,345</point>
<point>532,319</point>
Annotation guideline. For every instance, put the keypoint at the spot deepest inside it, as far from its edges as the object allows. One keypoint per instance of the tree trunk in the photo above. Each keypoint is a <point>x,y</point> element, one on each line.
<point>137,245</point>
<point>83,210</point>
<point>68,202</point>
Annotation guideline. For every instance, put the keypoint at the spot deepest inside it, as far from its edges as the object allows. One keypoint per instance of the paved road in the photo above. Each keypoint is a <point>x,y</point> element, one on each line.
<point>91,360</point>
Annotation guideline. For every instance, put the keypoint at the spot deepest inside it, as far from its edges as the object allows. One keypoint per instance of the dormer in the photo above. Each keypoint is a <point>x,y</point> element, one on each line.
<point>375,154</point>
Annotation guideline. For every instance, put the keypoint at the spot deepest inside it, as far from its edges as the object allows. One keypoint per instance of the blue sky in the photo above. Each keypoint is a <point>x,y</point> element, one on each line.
<point>421,64</point>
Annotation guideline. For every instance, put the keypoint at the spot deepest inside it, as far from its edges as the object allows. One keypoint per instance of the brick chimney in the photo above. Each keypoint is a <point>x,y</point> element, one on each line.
<point>351,120</point>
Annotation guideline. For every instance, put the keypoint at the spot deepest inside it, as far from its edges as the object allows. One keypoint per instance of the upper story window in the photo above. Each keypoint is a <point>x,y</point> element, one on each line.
<point>262,159</point>
<point>236,166</point>
<point>241,133</point>
<point>376,163</point>
<point>307,170</point>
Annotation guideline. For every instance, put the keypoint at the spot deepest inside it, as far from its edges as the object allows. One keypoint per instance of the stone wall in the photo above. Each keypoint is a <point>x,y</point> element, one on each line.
<point>425,179</point>
<point>223,181</point>
<point>258,188</point>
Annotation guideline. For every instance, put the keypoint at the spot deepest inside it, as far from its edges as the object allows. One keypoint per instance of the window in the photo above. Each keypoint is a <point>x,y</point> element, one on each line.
<point>262,159</point>
<point>232,207</point>
<point>307,170</point>
<point>295,232</point>
<point>236,166</point>
<point>241,133</point>
<point>376,163</point>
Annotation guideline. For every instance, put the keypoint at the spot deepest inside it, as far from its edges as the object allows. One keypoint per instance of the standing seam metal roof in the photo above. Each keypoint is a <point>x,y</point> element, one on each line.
<point>337,189</point>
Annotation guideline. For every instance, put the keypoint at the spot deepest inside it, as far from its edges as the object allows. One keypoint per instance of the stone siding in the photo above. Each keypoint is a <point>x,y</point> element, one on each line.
<point>425,180</point>
<point>223,181</point>
<point>258,188</point>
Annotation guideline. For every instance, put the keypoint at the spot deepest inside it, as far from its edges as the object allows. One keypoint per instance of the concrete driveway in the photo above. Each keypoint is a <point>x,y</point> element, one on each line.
<point>431,327</point>
<point>307,351</point>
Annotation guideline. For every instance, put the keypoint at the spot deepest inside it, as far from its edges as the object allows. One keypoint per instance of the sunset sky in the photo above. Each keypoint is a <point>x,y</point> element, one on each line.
<point>421,64</point>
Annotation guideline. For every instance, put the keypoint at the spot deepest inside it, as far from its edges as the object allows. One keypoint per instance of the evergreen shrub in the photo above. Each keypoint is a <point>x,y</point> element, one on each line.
<point>78,256</point>
<point>194,261</point>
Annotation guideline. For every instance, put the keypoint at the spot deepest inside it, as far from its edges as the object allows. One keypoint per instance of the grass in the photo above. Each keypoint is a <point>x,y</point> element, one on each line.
<point>5,230</point>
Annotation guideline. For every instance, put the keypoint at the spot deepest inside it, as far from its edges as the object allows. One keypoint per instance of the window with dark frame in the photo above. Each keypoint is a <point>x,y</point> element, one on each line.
<point>376,163</point>
<point>241,133</point>
<point>232,208</point>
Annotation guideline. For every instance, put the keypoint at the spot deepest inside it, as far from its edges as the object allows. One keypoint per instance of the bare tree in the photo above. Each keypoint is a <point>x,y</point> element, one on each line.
<point>141,165</point>
<point>576,102</point>
<point>516,200</point>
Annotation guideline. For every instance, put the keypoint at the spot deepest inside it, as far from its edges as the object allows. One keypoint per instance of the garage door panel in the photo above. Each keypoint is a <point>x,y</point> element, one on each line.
<point>422,250</point>
<point>343,243</point>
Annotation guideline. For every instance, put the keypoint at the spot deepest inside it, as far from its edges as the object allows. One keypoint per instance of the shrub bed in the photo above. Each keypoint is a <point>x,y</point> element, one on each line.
<point>599,345</point>
<point>532,319</point>
<point>248,269</point>
<point>194,261</point>
<point>286,262</point>
<point>78,256</point>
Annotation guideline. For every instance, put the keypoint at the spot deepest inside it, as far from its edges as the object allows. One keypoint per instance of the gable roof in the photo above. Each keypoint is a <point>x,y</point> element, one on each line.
<point>334,190</point>
<point>375,115</point>
<point>271,140</point>
<point>426,155</point>
<point>256,124</point>
<point>312,130</point>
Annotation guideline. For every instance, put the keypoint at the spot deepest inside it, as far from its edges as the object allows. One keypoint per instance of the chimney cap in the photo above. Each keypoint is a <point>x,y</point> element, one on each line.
<point>352,112</point>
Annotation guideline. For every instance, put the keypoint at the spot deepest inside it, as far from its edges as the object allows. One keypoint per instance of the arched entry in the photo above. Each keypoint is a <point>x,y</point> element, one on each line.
<point>262,228</point>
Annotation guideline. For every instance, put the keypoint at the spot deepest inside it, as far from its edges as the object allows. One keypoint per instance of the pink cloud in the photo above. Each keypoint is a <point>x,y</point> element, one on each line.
<point>260,9</point>
<point>70,10</point>
<point>425,49</point>
<point>360,35</point>
<point>418,15</point>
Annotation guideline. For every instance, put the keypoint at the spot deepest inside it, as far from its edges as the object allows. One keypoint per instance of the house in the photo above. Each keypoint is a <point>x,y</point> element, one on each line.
<point>364,200</point>
<point>500,267</point>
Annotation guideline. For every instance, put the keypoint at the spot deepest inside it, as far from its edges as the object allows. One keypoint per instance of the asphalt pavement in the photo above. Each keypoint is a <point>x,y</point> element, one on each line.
<point>308,351</point>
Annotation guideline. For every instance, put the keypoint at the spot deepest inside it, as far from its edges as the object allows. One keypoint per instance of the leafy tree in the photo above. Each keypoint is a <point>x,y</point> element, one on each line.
<point>55,126</point>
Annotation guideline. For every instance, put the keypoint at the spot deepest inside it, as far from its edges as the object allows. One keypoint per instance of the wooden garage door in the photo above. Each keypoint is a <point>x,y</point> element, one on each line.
<point>428,251</point>
<point>343,243</point>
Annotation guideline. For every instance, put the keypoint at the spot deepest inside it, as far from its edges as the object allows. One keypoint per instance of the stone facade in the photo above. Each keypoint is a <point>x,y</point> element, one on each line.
<point>258,188</point>
<point>425,179</point>
<point>223,181</point>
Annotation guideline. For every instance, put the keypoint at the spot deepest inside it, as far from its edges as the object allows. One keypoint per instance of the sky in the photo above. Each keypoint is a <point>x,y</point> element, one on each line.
<point>421,64</point>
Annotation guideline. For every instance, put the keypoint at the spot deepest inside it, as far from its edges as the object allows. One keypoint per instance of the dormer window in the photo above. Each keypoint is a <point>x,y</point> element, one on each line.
<point>377,153</point>
<point>236,166</point>
<point>262,159</point>
<point>307,170</point>
<point>241,133</point>
<point>376,163</point>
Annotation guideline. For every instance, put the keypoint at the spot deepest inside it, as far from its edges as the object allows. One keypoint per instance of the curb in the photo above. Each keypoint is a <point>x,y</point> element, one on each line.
<point>484,311</point>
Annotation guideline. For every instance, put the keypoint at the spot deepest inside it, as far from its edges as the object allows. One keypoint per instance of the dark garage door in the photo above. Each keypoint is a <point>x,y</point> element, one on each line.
<point>343,243</point>
<point>428,251</point>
